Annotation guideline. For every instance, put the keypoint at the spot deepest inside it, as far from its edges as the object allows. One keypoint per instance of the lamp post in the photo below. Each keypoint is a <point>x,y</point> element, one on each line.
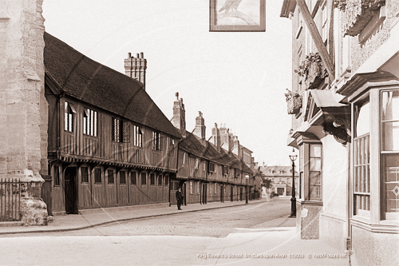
<point>246,188</point>
<point>293,157</point>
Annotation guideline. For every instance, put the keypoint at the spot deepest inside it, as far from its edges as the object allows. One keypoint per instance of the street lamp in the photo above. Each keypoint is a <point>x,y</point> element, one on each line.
<point>293,157</point>
<point>246,189</point>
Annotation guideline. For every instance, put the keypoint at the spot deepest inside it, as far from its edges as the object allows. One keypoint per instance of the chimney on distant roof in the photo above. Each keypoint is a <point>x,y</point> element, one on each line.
<point>216,137</point>
<point>200,127</point>
<point>236,147</point>
<point>179,115</point>
<point>226,138</point>
<point>136,67</point>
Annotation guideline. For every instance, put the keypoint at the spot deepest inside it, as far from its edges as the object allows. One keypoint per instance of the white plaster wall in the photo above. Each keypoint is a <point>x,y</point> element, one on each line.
<point>335,176</point>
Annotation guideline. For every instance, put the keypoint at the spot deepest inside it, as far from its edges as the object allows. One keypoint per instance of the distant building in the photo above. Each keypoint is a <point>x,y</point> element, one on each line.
<point>281,177</point>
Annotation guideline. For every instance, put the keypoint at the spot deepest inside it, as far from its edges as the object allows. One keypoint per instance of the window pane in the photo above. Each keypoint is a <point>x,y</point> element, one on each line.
<point>95,124</point>
<point>110,176</point>
<point>56,176</point>
<point>143,179</point>
<point>85,174</point>
<point>133,178</point>
<point>390,105</point>
<point>315,150</point>
<point>70,122</point>
<point>315,164</point>
<point>315,192</point>
<point>84,124</point>
<point>160,180</point>
<point>363,120</point>
<point>122,177</point>
<point>97,175</point>
<point>390,169</point>
<point>390,136</point>
<point>166,180</point>
<point>315,178</point>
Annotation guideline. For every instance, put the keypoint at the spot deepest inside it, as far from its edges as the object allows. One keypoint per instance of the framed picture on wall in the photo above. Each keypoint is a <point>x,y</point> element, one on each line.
<point>237,15</point>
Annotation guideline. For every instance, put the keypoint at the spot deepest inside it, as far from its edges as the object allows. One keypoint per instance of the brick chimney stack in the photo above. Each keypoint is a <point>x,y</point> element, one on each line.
<point>200,127</point>
<point>236,147</point>
<point>226,138</point>
<point>179,115</point>
<point>136,67</point>
<point>216,137</point>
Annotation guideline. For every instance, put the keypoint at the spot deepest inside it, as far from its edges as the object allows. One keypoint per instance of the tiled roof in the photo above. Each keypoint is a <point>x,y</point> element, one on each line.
<point>193,145</point>
<point>89,81</point>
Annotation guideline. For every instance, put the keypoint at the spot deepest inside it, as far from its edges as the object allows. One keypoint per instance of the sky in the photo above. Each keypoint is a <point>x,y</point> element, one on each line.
<point>237,79</point>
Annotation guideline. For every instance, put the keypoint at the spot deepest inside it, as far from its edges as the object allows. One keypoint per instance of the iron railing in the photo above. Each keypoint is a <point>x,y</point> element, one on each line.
<point>10,200</point>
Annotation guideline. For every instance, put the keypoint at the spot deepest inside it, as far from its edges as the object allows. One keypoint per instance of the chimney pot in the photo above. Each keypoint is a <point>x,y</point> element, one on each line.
<point>141,55</point>
<point>136,68</point>
<point>129,55</point>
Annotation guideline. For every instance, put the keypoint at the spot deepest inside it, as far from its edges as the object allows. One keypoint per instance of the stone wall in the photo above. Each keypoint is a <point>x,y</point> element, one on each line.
<point>23,107</point>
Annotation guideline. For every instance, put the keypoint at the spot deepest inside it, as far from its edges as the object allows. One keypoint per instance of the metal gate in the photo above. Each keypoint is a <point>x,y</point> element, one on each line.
<point>10,200</point>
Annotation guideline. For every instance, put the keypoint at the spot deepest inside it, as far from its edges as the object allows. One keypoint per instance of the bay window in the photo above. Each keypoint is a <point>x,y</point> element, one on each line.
<point>389,126</point>
<point>375,156</point>
<point>361,158</point>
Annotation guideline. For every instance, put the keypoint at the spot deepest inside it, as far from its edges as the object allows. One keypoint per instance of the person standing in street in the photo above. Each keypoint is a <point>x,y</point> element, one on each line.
<point>179,198</point>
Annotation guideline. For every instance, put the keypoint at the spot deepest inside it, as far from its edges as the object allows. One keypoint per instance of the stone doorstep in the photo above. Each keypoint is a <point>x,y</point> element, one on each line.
<point>10,224</point>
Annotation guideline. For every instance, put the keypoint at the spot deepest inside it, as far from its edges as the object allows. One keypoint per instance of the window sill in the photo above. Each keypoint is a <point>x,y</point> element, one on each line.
<point>387,226</point>
<point>310,202</point>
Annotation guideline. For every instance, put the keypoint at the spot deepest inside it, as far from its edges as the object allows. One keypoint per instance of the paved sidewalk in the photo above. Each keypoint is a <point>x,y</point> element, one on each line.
<point>95,217</point>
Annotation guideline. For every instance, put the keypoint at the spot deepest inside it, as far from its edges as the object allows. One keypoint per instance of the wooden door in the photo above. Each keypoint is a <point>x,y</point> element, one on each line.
<point>98,188</point>
<point>71,191</point>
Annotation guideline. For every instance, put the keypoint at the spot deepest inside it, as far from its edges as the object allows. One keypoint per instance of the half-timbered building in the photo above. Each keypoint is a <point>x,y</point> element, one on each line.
<point>207,171</point>
<point>109,144</point>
